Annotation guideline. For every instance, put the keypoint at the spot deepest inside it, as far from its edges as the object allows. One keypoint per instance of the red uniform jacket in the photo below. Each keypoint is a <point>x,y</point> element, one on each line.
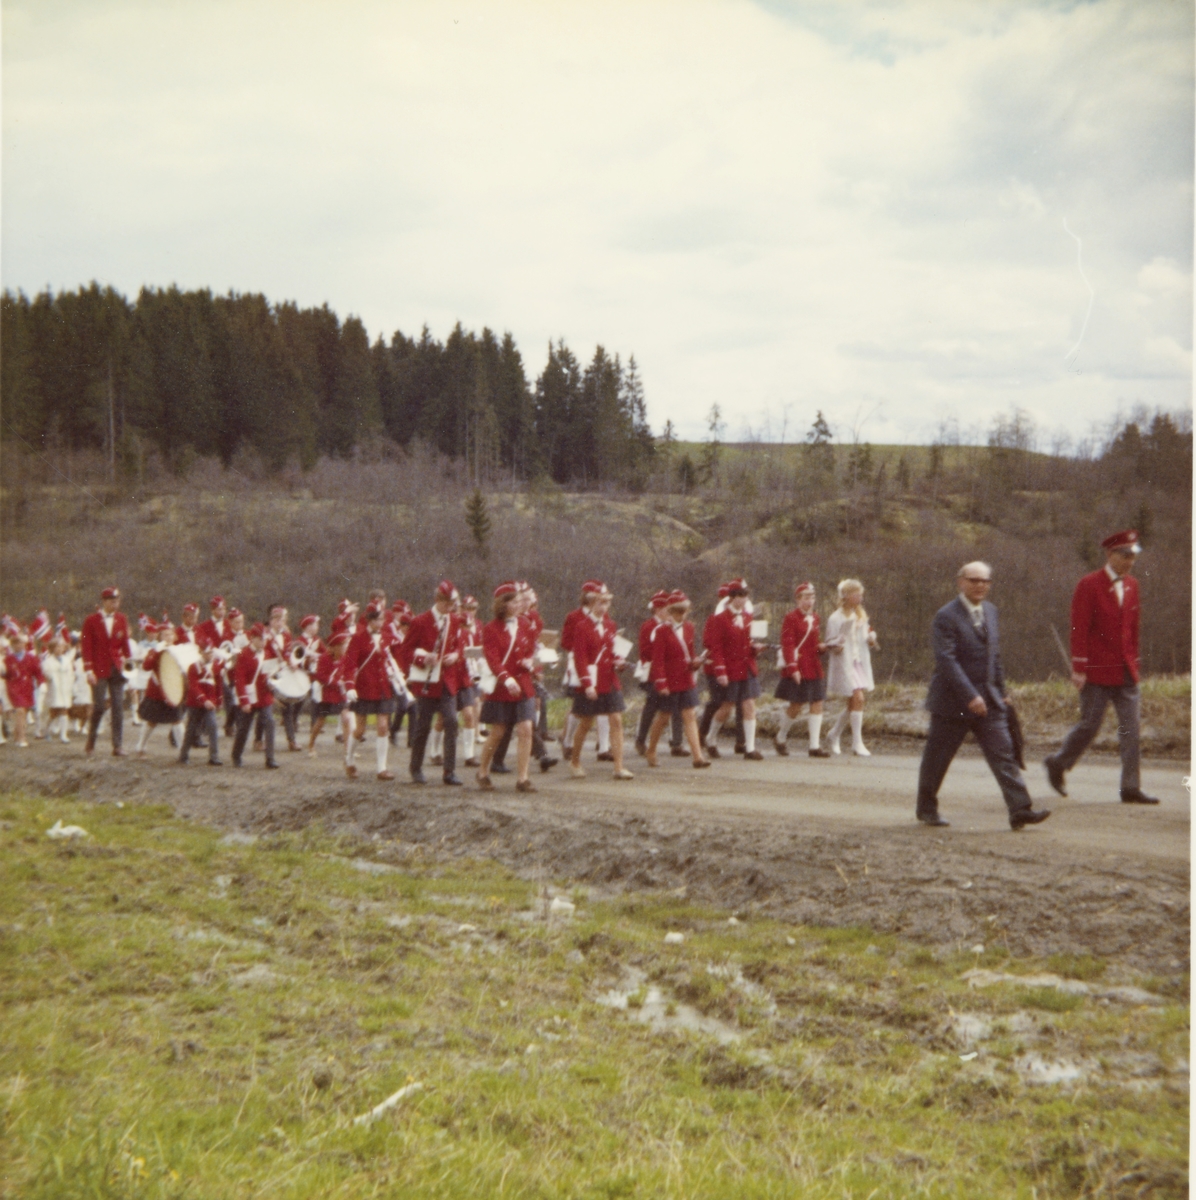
<point>647,632</point>
<point>212,632</point>
<point>183,634</point>
<point>277,645</point>
<point>708,665</point>
<point>508,657</point>
<point>799,645</point>
<point>671,662</point>
<point>568,626</point>
<point>330,675</point>
<point>205,684</point>
<point>594,655</point>
<point>364,667</point>
<point>22,676</point>
<point>153,685</point>
<point>424,645</point>
<point>105,655</point>
<point>1104,634</point>
<point>250,682</point>
<point>728,638</point>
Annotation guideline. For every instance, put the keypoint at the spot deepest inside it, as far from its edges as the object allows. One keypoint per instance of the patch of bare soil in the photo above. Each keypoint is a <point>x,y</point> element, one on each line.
<point>1027,893</point>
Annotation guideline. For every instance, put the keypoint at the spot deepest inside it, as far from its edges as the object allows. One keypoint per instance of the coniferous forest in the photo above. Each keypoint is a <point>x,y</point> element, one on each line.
<point>191,374</point>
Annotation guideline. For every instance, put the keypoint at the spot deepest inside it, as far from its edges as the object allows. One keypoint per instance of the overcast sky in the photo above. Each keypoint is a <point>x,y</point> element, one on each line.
<point>777,207</point>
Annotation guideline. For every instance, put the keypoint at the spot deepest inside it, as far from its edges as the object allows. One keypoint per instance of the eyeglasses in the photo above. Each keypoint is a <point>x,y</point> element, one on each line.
<point>973,579</point>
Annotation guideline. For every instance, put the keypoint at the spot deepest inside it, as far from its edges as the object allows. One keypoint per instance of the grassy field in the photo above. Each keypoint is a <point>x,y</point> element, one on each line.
<point>188,1015</point>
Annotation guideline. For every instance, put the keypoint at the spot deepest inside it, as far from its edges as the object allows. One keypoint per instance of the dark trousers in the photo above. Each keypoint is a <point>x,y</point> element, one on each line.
<point>408,708</point>
<point>197,718</point>
<point>265,722</point>
<point>945,738</point>
<point>113,687</point>
<point>446,706</point>
<point>1094,699</point>
<point>230,710</point>
<point>290,719</point>
<point>652,699</point>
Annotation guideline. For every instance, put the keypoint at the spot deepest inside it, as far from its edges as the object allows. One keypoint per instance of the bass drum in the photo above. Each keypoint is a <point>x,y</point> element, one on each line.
<point>291,683</point>
<point>173,664</point>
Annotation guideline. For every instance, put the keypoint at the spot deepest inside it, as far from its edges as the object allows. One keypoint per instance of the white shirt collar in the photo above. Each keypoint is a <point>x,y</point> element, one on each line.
<point>974,609</point>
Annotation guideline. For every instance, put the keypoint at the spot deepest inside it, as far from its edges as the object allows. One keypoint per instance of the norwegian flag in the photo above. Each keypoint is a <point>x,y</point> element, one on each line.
<point>60,626</point>
<point>10,626</point>
<point>143,622</point>
<point>39,627</point>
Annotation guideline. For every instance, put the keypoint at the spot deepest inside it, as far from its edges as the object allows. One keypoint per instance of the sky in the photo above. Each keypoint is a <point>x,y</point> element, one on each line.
<point>910,216</point>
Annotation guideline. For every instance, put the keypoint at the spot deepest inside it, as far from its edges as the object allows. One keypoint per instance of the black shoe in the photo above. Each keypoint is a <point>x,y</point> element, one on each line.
<point>678,751</point>
<point>215,762</point>
<point>933,819</point>
<point>174,740</point>
<point>605,756</point>
<point>641,748</point>
<point>271,765</point>
<point>548,762</point>
<point>740,748</point>
<point>712,752</point>
<point>1027,816</point>
<point>753,755</point>
<point>451,781</point>
<point>1055,775</point>
<point>499,769</point>
<point>1137,796</point>
<point>418,777</point>
<point>782,748</point>
<point>236,762</point>
<point>819,752</point>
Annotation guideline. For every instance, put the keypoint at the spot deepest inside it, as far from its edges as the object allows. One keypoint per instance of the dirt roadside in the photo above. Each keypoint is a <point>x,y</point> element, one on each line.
<point>822,843</point>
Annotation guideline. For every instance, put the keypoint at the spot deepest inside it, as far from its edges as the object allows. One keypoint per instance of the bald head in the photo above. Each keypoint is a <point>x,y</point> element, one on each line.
<point>974,579</point>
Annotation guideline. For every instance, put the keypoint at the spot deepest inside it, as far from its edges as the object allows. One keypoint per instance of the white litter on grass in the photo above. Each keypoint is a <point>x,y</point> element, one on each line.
<point>979,978</point>
<point>790,941</point>
<point>978,948</point>
<point>391,1101</point>
<point>674,939</point>
<point>732,920</point>
<point>560,907</point>
<point>467,929</point>
<point>969,1057</point>
<point>59,830</point>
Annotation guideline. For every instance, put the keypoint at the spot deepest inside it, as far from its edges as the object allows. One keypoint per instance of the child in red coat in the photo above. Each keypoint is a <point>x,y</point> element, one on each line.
<point>23,675</point>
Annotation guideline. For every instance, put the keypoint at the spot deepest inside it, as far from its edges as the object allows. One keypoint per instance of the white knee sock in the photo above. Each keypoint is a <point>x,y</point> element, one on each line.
<point>716,727</point>
<point>837,726</point>
<point>570,730</point>
<point>815,729</point>
<point>469,739</point>
<point>381,748</point>
<point>857,725</point>
<point>146,730</point>
<point>749,734</point>
<point>180,728</point>
<point>437,743</point>
<point>603,724</point>
<point>783,728</point>
<point>350,744</point>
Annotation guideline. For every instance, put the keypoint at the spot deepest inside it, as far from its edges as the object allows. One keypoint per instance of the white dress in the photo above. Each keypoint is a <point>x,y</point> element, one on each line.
<point>850,661</point>
<point>59,670</point>
<point>82,689</point>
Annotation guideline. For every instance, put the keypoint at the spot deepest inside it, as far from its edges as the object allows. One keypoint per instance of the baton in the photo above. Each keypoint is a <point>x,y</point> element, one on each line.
<point>1062,650</point>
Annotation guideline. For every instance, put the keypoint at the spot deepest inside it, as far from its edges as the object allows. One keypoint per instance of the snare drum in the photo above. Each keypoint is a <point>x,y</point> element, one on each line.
<point>291,683</point>
<point>173,663</point>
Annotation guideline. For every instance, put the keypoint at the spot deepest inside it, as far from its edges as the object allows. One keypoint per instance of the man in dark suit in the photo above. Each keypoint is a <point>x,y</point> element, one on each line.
<point>967,695</point>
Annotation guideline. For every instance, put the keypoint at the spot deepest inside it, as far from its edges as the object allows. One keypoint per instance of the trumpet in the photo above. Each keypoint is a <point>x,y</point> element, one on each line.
<point>298,656</point>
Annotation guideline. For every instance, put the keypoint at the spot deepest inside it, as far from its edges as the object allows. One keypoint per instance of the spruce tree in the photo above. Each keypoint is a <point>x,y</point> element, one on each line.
<point>478,518</point>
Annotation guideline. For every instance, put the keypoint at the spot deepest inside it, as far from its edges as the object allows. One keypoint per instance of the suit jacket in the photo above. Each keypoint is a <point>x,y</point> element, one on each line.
<point>966,665</point>
<point>1104,634</point>
<point>508,657</point>
<point>424,645</point>
<point>104,655</point>
<point>728,638</point>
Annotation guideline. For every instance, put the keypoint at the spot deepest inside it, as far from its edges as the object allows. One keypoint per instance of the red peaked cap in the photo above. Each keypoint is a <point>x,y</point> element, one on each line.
<point>736,585</point>
<point>372,613</point>
<point>506,589</point>
<point>469,601</point>
<point>190,606</point>
<point>677,597</point>
<point>310,619</point>
<point>216,602</point>
<point>446,590</point>
<point>659,600</point>
<point>594,587</point>
<point>802,587</point>
<point>257,630</point>
<point>724,591</point>
<point>111,593</point>
<point>338,639</point>
<point>1127,539</point>
<point>234,613</point>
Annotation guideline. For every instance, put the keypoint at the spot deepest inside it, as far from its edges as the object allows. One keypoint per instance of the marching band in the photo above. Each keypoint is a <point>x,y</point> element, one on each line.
<point>456,680</point>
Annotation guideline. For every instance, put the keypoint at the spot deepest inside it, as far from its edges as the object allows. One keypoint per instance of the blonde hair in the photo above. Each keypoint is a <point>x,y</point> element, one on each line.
<point>852,585</point>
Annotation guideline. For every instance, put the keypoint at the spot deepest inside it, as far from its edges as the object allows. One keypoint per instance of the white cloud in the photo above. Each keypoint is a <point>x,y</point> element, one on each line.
<point>810,205</point>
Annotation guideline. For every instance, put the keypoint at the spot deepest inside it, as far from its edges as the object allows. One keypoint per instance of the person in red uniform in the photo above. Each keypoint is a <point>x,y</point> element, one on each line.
<point>205,690</point>
<point>656,606</point>
<point>330,676</point>
<point>716,695</point>
<point>590,592</point>
<point>599,691</point>
<point>672,675</point>
<point>1104,665</point>
<point>214,631</point>
<point>401,617</point>
<point>369,689</point>
<point>509,643</point>
<point>155,709</point>
<point>105,646</point>
<point>22,671</point>
<point>254,696</point>
<point>732,663</point>
<point>802,679</point>
<point>429,658</point>
<point>188,631</point>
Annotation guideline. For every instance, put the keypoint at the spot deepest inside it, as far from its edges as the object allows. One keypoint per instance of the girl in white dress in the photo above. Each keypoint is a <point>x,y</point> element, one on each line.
<point>58,666</point>
<point>850,640</point>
